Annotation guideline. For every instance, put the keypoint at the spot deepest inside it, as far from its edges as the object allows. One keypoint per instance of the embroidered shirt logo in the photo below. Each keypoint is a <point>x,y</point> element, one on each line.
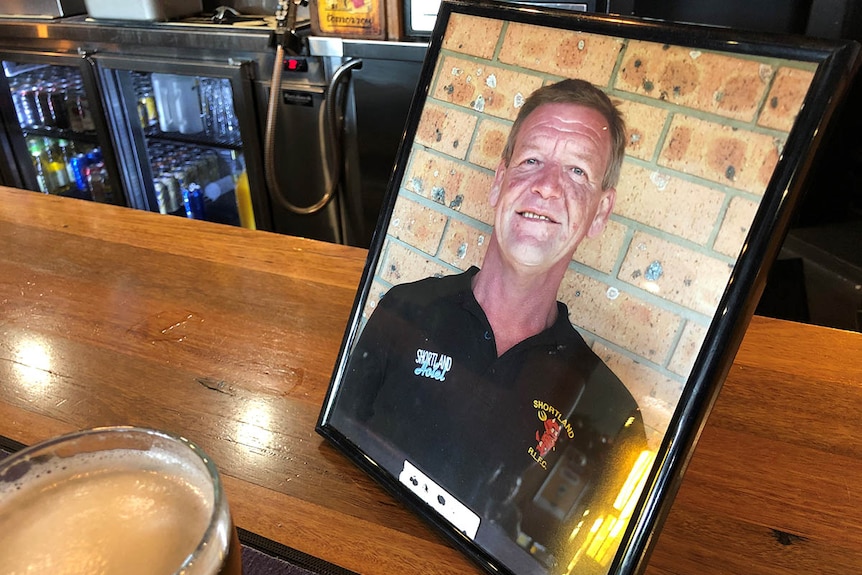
<point>432,364</point>
<point>548,439</point>
<point>553,425</point>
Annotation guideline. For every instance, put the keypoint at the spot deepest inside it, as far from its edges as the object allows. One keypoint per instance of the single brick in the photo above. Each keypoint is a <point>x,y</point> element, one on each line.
<point>618,317</point>
<point>402,265</point>
<point>446,130</point>
<point>785,98</point>
<point>463,245</point>
<point>488,144</point>
<point>417,225</point>
<point>472,35</point>
<point>733,157</point>
<point>483,87</point>
<point>561,52</point>
<point>675,273</point>
<point>667,203</point>
<point>644,126</point>
<point>458,186</point>
<point>717,83</point>
<point>734,229</point>
<point>686,351</point>
<point>601,253</point>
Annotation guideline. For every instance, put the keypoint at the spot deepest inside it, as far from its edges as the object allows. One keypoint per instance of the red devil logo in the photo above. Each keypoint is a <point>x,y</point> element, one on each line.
<point>549,438</point>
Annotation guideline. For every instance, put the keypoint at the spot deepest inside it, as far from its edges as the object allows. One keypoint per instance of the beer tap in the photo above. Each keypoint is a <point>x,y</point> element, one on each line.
<point>285,26</point>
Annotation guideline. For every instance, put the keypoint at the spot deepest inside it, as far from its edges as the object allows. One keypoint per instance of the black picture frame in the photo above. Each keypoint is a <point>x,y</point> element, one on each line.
<point>812,75</point>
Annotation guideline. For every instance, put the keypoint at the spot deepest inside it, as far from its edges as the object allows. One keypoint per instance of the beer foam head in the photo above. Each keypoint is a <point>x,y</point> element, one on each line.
<point>121,510</point>
<point>33,473</point>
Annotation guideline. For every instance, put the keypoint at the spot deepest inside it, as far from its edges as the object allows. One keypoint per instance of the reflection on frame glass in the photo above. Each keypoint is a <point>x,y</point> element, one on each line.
<point>581,214</point>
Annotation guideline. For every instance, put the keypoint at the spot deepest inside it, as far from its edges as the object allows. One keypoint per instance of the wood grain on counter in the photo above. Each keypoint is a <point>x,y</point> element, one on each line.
<point>228,336</point>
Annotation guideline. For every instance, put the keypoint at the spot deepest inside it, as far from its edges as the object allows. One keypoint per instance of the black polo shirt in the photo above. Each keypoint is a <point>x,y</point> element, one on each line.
<point>425,378</point>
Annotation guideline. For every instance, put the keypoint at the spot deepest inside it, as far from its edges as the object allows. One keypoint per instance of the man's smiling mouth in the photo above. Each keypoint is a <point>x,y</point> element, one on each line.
<point>535,216</point>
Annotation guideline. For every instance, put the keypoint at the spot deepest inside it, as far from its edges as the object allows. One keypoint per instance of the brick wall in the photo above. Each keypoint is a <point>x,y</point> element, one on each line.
<point>705,132</point>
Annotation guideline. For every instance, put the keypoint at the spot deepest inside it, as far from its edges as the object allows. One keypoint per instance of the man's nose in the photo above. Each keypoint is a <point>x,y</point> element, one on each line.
<point>548,182</point>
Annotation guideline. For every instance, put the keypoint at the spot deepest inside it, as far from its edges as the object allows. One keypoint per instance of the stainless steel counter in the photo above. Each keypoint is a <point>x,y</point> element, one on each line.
<point>82,33</point>
<point>370,49</point>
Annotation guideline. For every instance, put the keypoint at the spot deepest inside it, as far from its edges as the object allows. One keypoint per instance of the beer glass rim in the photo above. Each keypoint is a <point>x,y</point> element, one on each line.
<point>218,494</point>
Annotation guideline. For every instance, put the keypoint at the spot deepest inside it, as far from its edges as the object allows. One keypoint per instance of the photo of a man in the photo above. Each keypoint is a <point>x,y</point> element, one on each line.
<point>552,292</point>
<point>479,381</point>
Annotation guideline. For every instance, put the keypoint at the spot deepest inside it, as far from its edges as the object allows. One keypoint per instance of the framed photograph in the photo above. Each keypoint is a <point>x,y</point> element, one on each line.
<point>578,227</point>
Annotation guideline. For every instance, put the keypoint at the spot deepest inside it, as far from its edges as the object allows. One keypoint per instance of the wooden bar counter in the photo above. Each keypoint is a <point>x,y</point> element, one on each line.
<point>114,316</point>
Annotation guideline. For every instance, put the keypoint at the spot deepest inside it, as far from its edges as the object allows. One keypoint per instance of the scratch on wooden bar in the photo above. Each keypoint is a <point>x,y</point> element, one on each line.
<point>786,538</point>
<point>220,385</point>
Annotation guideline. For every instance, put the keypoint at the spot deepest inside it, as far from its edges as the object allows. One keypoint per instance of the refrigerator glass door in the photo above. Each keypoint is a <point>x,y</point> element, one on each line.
<point>191,145</point>
<point>56,133</point>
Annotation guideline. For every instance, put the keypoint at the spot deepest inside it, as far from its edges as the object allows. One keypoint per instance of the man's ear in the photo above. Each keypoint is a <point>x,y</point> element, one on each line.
<point>603,212</point>
<point>498,182</point>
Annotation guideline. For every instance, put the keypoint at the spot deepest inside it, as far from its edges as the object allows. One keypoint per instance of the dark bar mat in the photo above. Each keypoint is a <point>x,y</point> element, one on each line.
<point>9,446</point>
<point>260,556</point>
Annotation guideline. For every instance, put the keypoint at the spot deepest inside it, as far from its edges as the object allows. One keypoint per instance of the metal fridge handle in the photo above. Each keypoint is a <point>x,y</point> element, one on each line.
<point>334,141</point>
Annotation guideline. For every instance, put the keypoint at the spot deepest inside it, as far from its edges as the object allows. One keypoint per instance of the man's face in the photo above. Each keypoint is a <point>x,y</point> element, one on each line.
<point>550,195</point>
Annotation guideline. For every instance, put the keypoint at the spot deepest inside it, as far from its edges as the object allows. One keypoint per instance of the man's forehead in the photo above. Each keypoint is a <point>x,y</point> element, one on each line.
<point>566,116</point>
<point>564,126</point>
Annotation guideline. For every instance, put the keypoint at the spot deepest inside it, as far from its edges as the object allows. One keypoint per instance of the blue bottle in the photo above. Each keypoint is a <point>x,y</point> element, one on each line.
<point>193,200</point>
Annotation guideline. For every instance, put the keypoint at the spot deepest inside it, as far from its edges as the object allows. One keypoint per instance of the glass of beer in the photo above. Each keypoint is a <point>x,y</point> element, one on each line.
<point>115,500</point>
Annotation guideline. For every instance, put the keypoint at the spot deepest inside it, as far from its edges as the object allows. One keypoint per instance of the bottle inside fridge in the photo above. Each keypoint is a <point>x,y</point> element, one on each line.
<point>53,110</point>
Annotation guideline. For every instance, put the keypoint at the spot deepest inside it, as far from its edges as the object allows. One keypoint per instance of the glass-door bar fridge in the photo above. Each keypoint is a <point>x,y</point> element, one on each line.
<point>56,133</point>
<point>186,137</point>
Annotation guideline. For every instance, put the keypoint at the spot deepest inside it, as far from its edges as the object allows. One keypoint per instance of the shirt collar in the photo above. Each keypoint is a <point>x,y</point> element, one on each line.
<point>559,334</point>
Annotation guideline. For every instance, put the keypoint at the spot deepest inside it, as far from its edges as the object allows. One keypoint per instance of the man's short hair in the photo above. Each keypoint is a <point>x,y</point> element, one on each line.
<point>581,92</point>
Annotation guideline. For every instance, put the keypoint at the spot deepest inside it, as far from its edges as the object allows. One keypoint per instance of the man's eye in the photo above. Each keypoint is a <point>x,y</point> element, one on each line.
<point>531,161</point>
<point>578,171</point>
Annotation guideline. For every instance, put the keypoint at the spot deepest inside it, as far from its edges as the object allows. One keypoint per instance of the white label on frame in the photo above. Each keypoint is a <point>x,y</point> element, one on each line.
<point>440,500</point>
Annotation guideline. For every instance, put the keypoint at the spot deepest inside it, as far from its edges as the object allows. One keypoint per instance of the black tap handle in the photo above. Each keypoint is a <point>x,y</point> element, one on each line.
<point>285,26</point>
